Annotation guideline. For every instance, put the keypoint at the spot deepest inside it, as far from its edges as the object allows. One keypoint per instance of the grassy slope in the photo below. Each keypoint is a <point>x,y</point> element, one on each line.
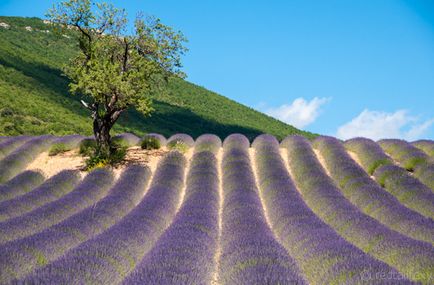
<point>35,100</point>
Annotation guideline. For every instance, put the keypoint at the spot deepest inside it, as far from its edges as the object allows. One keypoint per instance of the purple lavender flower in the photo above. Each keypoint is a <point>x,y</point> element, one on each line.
<point>17,160</point>
<point>91,189</point>
<point>370,154</point>
<point>52,189</point>
<point>250,252</point>
<point>184,254</point>
<point>159,137</point>
<point>412,159</point>
<point>358,187</point>
<point>186,139</point>
<point>410,257</point>
<point>208,142</point>
<point>20,184</point>
<point>109,257</point>
<point>17,258</point>
<point>403,152</point>
<point>9,145</point>
<point>126,139</point>
<point>323,255</point>
<point>426,145</point>
<point>407,189</point>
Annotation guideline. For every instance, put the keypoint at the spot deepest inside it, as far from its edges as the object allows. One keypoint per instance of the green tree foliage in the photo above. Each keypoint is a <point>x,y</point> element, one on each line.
<point>115,71</point>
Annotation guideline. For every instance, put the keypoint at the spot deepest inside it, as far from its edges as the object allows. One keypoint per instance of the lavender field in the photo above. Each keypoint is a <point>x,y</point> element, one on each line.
<point>299,211</point>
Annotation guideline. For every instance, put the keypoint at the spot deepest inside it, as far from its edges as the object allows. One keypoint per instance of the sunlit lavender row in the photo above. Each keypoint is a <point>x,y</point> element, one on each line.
<point>295,212</point>
<point>250,252</point>
<point>185,252</point>
<point>397,181</point>
<point>112,255</point>
<point>54,241</point>
<point>323,255</point>
<point>410,257</point>
<point>367,195</point>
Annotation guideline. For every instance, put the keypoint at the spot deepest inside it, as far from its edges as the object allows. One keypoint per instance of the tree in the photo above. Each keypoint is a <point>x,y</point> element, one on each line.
<point>114,71</point>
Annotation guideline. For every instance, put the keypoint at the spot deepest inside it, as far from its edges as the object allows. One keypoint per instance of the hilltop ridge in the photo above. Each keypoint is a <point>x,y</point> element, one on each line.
<point>35,97</point>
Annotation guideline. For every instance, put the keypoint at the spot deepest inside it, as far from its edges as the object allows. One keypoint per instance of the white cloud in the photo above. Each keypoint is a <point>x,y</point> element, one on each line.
<point>299,113</point>
<point>378,125</point>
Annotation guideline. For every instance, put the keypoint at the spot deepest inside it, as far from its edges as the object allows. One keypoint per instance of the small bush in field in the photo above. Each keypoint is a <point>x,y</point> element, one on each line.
<point>57,148</point>
<point>87,147</point>
<point>150,143</point>
<point>178,145</point>
<point>100,160</point>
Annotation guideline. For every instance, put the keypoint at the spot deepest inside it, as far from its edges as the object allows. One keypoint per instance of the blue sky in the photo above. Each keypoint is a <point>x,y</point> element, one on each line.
<point>343,68</point>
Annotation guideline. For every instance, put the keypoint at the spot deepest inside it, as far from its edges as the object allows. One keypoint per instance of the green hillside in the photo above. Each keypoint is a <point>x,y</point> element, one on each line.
<point>35,99</point>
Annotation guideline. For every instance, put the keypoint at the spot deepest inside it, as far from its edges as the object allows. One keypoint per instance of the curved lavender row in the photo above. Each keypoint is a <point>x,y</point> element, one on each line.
<point>21,184</point>
<point>188,140</point>
<point>2,139</point>
<point>9,145</point>
<point>413,258</point>
<point>109,257</point>
<point>16,161</point>
<point>368,196</point>
<point>407,189</point>
<point>185,252</point>
<point>127,139</point>
<point>92,188</point>
<point>250,253</point>
<point>52,189</point>
<point>208,142</point>
<point>425,145</point>
<point>370,154</point>
<point>411,158</point>
<point>19,258</point>
<point>323,255</point>
<point>403,152</point>
<point>70,141</point>
<point>159,137</point>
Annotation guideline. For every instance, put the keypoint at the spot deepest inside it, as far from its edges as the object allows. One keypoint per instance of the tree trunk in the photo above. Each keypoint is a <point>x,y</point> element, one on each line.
<point>101,130</point>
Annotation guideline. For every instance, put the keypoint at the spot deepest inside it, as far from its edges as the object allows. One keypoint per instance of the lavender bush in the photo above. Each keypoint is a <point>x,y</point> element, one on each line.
<point>18,256</point>
<point>370,154</point>
<point>208,142</point>
<point>17,160</point>
<point>109,257</point>
<point>323,255</point>
<point>184,253</point>
<point>368,196</point>
<point>404,153</point>
<point>20,184</point>
<point>250,253</point>
<point>411,158</point>
<point>126,140</point>
<point>159,137</point>
<point>412,258</point>
<point>184,138</point>
<point>407,189</point>
<point>65,143</point>
<point>9,145</point>
<point>52,189</point>
<point>91,189</point>
<point>425,145</point>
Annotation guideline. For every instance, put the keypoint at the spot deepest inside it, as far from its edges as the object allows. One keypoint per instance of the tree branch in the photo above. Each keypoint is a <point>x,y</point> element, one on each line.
<point>125,61</point>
